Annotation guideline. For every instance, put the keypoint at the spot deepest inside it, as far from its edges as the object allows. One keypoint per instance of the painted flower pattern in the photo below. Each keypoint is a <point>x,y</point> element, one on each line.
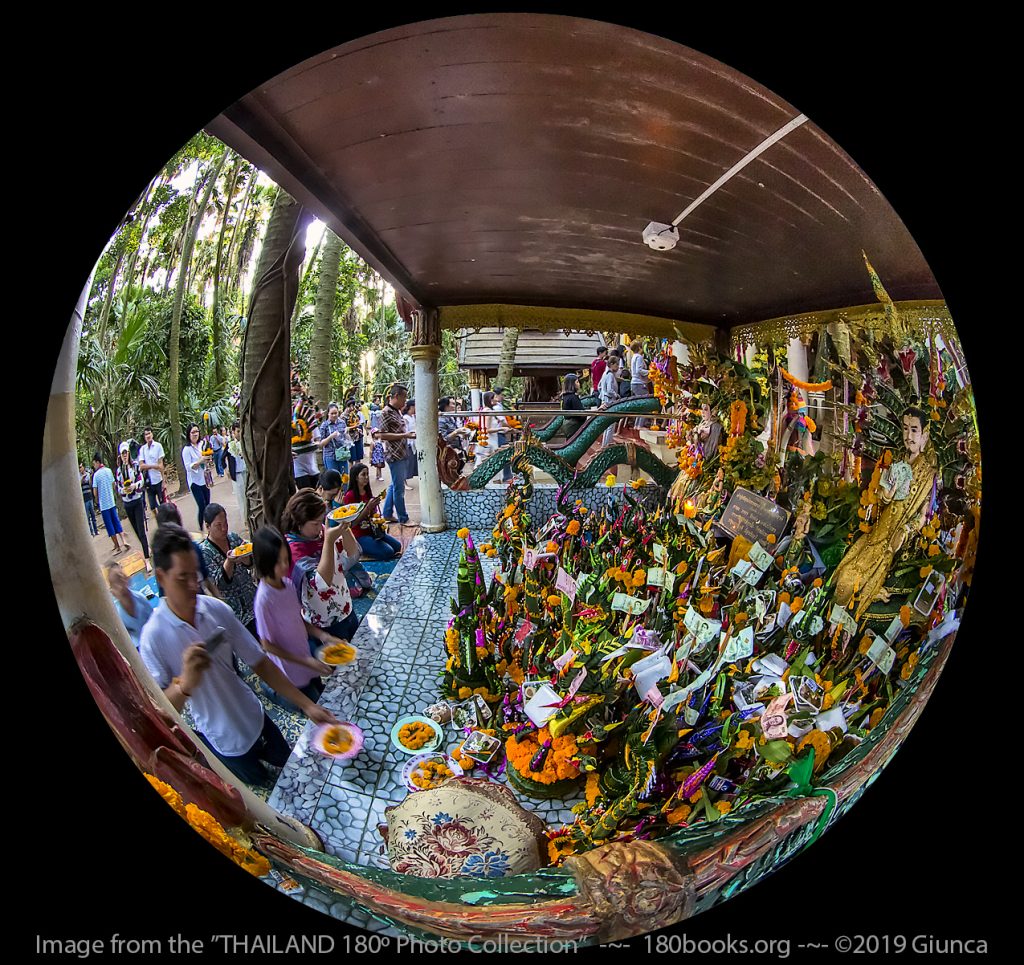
<point>491,864</point>
<point>441,846</point>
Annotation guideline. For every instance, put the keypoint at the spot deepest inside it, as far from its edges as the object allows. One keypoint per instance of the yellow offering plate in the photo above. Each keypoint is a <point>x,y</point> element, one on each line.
<point>344,512</point>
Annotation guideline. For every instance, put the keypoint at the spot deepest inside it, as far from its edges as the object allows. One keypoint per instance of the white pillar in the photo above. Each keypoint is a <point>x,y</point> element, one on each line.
<point>476,399</point>
<point>431,502</point>
<point>796,359</point>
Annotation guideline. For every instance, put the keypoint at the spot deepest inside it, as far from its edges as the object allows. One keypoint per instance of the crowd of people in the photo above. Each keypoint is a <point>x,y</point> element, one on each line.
<point>272,604</point>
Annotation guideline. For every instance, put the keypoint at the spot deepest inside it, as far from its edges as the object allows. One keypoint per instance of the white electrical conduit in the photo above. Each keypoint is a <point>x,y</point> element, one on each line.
<point>742,163</point>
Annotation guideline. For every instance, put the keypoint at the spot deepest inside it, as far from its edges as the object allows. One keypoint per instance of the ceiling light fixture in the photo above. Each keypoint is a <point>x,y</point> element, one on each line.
<point>663,237</point>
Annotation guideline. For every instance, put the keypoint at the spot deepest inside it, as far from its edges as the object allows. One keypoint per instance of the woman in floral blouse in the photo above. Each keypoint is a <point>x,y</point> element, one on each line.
<point>320,563</point>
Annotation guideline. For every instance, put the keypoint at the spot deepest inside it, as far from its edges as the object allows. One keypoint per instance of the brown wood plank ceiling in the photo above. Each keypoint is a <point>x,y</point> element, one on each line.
<point>516,158</point>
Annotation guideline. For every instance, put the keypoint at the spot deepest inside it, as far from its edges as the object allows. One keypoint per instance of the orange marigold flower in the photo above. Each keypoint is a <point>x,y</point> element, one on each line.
<point>573,529</point>
<point>770,539</point>
<point>679,814</point>
<point>905,615</point>
<point>724,807</point>
<point>797,605</point>
<point>554,600</point>
<point>552,547</point>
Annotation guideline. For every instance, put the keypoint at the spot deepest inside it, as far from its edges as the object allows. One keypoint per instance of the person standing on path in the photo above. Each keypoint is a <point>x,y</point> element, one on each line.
<point>87,498</point>
<point>409,416</point>
<point>151,463</point>
<point>500,427</point>
<point>637,375</point>
<point>196,465</point>
<point>377,449</point>
<point>598,366</point>
<point>217,443</point>
<point>130,480</point>
<point>355,422</point>
<point>240,474</point>
<point>609,391</point>
<point>103,490</point>
<point>331,437</point>
<point>394,435</point>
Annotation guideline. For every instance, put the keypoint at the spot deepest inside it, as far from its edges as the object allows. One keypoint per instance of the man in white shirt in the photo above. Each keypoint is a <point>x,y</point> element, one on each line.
<point>229,717</point>
<point>609,391</point>
<point>151,462</point>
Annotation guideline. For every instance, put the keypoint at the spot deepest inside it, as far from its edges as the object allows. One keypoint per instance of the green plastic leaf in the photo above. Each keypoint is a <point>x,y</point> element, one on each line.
<point>778,752</point>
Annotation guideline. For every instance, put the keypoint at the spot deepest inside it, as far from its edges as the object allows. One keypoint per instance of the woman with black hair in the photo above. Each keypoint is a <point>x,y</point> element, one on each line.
<point>284,635</point>
<point>196,467</point>
<point>374,541</point>
<point>230,574</point>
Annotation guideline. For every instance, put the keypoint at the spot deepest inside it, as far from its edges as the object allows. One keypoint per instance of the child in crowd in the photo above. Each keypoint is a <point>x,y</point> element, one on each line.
<point>284,634</point>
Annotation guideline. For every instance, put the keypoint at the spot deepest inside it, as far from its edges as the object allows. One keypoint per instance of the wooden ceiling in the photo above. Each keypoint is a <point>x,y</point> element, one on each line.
<point>516,158</point>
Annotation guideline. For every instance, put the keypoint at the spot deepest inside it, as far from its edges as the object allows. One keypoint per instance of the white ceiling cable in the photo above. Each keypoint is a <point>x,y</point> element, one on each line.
<point>743,162</point>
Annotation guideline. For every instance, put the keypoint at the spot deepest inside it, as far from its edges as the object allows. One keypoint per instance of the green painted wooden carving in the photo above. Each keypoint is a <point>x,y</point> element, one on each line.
<point>546,432</point>
<point>561,463</point>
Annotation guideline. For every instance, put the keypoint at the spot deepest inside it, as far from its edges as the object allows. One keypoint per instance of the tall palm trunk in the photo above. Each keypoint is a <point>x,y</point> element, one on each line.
<point>220,377</point>
<point>323,319</point>
<point>507,359</point>
<point>305,275</point>
<point>266,383</point>
<point>174,351</point>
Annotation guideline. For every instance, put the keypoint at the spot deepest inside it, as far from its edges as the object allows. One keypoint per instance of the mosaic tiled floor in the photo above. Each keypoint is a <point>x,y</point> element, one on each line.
<point>401,655</point>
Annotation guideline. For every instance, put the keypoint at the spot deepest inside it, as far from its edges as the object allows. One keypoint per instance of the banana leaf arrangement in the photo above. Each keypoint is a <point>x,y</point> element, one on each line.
<point>692,674</point>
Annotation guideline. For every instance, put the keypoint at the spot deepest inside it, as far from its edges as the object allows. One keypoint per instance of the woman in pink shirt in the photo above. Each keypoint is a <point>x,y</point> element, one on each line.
<point>284,634</point>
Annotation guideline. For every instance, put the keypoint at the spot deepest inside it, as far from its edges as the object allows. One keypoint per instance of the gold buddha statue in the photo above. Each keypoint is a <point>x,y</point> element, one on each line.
<point>905,491</point>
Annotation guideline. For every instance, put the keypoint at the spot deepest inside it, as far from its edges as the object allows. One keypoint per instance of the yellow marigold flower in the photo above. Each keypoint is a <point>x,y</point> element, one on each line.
<point>593,787</point>
<point>584,510</point>
<point>554,600</point>
<point>696,796</point>
<point>639,577</point>
<point>784,598</point>
<point>344,477</point>
<point>740,618</point>
<point>638,483</point>
<point>609,480</point>
<point>724,807</point>
<point>876,717</point>
<point>552,547</point>
<point>905,615</point>
<point>821,744</point>
<point>827,702</point>
<point>465,692</point>
<point>770,539</point>
<point>462,533</point>
<point>744,740</point>
<point>797,605</point>
<point>925,570</point>
<point>906,670</point>
<point>933,550</point>
<point>865,645</point>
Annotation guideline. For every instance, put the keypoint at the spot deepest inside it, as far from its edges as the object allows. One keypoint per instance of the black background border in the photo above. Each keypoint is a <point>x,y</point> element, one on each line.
<point>108,105</point>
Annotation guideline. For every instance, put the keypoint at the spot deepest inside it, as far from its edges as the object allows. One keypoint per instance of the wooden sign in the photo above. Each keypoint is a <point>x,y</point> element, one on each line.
<point>753,517</point>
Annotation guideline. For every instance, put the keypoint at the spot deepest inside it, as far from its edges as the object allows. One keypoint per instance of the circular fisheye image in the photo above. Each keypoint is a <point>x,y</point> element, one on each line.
<point>504,468</point>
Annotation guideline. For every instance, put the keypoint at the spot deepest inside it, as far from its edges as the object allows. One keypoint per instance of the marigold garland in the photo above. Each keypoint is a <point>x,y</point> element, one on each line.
<point>208,826</point>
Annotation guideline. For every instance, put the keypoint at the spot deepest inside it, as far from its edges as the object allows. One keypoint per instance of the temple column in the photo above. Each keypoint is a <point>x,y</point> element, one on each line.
<point>426,350</point>
<point>796,359</point>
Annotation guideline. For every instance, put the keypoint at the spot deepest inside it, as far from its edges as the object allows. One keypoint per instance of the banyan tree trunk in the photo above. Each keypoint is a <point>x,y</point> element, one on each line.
<point>266,382</point>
